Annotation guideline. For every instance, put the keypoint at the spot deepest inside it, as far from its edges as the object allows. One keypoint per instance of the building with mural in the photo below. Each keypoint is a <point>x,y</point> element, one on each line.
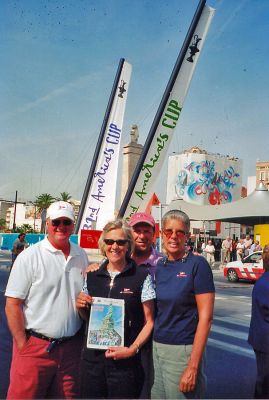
<point>203,178</point>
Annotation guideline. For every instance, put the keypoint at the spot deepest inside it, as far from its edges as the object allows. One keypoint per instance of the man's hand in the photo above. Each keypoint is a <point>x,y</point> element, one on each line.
<point>83,301</point>
<point>93,267</point>
<point>21,342</point>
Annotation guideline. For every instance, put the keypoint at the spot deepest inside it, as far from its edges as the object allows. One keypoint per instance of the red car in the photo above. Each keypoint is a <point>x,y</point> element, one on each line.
<point>250,268</point>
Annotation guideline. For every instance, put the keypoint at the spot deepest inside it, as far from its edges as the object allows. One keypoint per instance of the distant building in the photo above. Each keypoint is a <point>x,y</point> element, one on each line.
<point>4,206</point>
<point>203,178</point>
<point>262,172</point>
<point>25,214</point>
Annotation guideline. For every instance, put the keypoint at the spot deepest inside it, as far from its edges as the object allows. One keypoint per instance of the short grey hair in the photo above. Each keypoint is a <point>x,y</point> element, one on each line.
<point>111,226</point>
<point>179,215</point>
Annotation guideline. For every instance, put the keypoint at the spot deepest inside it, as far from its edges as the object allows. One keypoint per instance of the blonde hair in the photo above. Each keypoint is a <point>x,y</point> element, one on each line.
<point>111,226</point>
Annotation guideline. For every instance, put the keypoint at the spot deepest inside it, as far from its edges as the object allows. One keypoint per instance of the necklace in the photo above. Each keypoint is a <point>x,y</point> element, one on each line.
<point>182,259</point>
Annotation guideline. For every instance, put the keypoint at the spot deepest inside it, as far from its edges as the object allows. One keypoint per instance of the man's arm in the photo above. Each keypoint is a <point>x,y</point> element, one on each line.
<point>15,320</point>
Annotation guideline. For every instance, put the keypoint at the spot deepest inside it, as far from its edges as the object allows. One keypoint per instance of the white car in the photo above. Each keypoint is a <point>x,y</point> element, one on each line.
<point>250,268</point>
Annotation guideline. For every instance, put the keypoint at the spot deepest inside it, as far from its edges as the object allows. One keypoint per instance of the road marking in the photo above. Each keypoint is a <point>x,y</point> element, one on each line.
<point>221,298</point>
<point>232,320</point>
<point>229,332</point>
<point>231,348</point>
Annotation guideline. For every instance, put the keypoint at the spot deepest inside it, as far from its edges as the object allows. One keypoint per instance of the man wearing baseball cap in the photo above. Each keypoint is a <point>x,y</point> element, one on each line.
<point>145,255</point>
<point>143,229</point>
<point>41,312</point>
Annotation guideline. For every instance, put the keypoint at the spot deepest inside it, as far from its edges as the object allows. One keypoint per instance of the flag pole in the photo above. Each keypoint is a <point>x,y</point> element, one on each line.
<point>162,105</point>
<point>98,145</point>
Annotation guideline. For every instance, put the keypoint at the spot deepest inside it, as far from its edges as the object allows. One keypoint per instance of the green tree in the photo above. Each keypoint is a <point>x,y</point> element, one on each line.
<point>25,228</point>
<point>65,196</point>
<point>3,224</point>
<point>43,201</point>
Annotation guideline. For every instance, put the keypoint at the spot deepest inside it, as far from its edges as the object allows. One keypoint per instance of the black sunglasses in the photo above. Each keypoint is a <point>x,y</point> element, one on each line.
<point>57,222</point>
<point>120,242</point>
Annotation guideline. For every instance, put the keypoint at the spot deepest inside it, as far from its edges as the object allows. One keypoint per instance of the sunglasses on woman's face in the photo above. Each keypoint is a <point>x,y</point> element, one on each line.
<point>58,222</point>
<point>120,242</point>
<point>169,232</point>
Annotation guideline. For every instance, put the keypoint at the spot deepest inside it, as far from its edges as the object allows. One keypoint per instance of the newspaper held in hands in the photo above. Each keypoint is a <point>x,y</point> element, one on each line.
<point>106,323</point>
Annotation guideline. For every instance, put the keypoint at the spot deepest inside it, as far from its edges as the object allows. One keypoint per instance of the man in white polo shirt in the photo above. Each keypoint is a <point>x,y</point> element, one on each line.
<point>41,312</point>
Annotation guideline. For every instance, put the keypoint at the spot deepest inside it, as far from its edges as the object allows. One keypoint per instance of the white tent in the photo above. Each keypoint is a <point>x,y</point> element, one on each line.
<point>251,210</point>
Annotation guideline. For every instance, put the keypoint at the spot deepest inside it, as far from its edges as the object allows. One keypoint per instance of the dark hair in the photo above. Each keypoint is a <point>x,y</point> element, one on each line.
<point>21,234</point>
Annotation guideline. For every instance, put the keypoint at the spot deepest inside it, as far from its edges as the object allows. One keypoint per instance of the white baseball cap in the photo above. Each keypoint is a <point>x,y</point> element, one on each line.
<point>61,209</point>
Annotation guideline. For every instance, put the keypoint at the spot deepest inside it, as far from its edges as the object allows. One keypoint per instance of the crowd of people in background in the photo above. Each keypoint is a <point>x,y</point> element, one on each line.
<point>228,249</point>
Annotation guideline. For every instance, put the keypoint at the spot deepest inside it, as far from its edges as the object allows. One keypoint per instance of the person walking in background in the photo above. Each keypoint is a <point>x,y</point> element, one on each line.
<point>227,249</point>
<point>240,248</point>
<point>247,244</point>
<point>259,329</point>
<point>18,246</point>
<point>117,372</point>
<point>184,300</point>
<point>41,312</point>
<point>210,252</point>
<point>255,247</point>
<point>203,249</point>
<point>233,254</point>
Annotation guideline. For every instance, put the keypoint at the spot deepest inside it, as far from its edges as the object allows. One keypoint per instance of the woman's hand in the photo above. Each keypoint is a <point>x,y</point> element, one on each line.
<point>120,353</point>
<point>83,301</point>
<point>187,380</point>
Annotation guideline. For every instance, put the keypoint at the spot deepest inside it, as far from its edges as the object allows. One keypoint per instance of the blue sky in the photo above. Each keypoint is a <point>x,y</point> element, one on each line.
<point>59,59</point>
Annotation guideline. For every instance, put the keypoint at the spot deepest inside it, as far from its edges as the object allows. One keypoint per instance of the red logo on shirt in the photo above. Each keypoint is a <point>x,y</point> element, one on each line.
<point>126,291</point>
<point>182,275</point>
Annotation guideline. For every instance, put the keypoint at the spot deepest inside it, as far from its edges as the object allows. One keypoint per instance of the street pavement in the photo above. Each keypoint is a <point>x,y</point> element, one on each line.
<point>231,364</point>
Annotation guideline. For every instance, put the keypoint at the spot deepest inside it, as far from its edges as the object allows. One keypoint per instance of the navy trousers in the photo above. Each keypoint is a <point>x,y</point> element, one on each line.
<point>108,379</point>
<point>262,381</point>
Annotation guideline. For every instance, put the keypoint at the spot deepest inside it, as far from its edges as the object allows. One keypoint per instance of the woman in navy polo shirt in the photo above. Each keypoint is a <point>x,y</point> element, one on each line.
<point>185,301</point>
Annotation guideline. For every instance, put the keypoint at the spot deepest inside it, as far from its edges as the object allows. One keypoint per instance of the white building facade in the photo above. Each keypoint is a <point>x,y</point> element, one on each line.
<point>203,178</point>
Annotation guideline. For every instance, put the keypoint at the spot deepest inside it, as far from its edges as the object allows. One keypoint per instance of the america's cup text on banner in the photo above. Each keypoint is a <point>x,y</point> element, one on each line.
<point>100,202</point>
<point>166,119</point>
<point>168,122</point>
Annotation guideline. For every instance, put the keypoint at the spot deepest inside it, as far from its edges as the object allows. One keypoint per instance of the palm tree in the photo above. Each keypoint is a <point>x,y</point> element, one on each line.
<point>43,201</point>
<point>65,196</point>
<point>25,228</point>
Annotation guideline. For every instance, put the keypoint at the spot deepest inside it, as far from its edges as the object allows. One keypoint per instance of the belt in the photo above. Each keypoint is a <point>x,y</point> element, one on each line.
<point>52,341</point>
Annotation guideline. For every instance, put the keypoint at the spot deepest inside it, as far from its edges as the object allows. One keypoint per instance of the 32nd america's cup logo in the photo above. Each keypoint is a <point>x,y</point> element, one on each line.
<point>122,88</point>
<point>193,48</point>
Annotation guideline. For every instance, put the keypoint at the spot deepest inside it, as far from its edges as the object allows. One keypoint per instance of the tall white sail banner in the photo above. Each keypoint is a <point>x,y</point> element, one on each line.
<point>158,148</point>
<point>101,200</point>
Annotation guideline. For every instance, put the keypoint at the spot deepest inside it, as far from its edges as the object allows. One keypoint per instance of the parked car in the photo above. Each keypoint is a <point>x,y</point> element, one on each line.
<point>250,268</point>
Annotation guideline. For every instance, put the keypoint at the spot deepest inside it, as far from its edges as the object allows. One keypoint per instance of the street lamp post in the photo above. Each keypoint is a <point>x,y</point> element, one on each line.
<point>15,208</point>
<point>161,207</point>
<point>34,204</point>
